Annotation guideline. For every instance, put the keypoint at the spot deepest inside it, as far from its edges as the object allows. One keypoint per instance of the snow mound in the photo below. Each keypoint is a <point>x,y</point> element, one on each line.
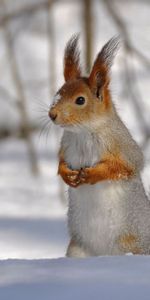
<point>106,278</point>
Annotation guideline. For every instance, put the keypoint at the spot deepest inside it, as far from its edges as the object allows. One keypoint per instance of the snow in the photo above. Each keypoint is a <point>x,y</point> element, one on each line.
<point>32,217</point>
<point>116,278</point>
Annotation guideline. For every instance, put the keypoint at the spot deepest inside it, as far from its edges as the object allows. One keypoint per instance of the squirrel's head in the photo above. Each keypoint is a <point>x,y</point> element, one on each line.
<point>83,101</point>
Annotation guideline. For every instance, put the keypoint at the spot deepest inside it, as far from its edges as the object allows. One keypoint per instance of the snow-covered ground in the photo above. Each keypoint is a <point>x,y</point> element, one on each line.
<point>106,278</point>
<point>32,217</point>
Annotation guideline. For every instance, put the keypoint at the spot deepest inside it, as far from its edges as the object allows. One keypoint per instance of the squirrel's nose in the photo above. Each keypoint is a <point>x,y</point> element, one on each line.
<point>53,115</point>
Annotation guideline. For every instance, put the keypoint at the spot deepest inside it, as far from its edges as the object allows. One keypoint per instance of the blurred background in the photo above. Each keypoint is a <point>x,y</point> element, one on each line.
<point>33,34</point>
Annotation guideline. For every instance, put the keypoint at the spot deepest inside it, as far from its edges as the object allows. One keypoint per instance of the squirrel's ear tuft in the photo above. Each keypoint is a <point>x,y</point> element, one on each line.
<point>72,68</point>
<point>109,51</point>
<point>100,71</point>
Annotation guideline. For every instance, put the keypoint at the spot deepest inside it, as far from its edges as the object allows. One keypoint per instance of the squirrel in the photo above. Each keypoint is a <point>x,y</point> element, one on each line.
<point>109,212</point>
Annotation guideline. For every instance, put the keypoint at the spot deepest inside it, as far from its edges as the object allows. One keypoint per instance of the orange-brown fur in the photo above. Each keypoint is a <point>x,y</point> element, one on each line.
<point>99,76</point>
<point>97,84</point>
<point>75,249</point>
<point>71,61</point>
<point>71,177</point>
<point>72,244</point>
<point>109,168</point>
<point>129,243</point>
<point>94,108</point>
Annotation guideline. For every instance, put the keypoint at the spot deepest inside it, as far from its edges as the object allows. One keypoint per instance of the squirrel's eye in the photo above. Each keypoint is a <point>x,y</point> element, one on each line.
<point>80,100</point>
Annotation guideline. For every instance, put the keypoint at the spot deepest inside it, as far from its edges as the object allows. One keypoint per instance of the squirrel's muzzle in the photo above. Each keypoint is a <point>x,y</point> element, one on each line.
<point>53,115</point>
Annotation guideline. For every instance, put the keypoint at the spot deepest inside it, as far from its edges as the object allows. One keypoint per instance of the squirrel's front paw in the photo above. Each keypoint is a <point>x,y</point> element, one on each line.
<point>87,176</point>
<point>71,177</point>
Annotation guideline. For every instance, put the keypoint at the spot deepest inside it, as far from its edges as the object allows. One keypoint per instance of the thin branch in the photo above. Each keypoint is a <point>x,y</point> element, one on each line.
<point>8,97</point>
<point>20,90</point>
<point>52,49</point>
<point>27,10</point>
<point>113,12</point>
<point>22,12</point>
<point>52,76</point>
<point>88,32</point>
<point>130,74</point>
<point>137,99</point>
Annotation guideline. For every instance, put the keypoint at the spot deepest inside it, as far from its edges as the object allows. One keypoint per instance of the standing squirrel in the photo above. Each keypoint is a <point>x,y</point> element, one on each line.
<point>109,213</point>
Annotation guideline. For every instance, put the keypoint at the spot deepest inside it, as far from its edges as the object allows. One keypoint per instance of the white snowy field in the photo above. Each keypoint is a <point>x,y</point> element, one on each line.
<point>32,217</point>
<point>106,278</point>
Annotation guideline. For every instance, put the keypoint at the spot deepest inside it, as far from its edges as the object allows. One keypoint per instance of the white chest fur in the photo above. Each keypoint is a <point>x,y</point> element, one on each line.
<point>82,149</point>
<point>95,211</point>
